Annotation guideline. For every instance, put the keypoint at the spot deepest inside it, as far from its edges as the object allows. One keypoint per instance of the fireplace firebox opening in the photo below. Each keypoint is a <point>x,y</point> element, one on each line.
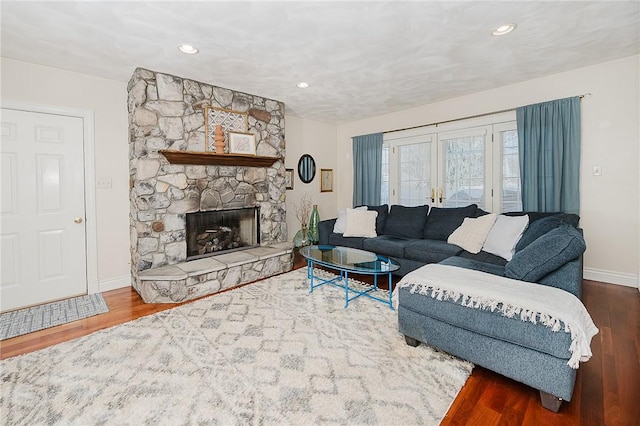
<point>213,232</point>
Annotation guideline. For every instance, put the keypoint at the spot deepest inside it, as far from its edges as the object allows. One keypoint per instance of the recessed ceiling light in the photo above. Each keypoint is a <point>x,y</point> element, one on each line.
<point>504,29</point>
<point>302,85</point>
<point>189,49</point>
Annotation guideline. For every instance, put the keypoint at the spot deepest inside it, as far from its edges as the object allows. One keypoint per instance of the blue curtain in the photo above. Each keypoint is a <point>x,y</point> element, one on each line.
<point>367,169</point>
<point>549,150</point>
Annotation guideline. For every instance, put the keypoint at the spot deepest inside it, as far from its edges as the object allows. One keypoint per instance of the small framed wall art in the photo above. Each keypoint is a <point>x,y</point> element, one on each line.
<point>326,180</point>
<point>288,178</point>
<point>242,143</point>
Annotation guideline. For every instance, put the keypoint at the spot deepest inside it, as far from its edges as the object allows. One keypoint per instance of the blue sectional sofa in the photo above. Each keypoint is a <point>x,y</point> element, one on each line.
<point>549,253</point>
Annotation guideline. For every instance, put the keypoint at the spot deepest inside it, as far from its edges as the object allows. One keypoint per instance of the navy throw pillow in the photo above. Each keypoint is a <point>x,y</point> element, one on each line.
<point>541,226</point>
<point>383,211</point>
<point>441,222</point>
<point>546,254</point>
<point>406,222</point>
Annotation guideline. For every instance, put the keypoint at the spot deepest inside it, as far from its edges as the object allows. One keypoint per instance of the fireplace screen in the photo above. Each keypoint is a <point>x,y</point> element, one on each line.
<point>210,233</point>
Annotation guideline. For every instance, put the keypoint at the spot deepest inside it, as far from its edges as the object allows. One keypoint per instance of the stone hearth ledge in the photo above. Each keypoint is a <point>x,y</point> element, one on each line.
<point>190,280</point>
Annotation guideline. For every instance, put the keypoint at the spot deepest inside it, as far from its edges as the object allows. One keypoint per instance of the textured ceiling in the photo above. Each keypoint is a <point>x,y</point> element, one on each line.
<point>362,59</point>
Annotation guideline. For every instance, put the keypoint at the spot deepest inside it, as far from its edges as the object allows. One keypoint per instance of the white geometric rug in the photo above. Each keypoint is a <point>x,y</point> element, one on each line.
<point>268,353</point>
<point>28,320</point>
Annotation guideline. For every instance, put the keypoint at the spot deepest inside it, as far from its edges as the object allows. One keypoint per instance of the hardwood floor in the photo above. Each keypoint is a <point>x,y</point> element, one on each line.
<point>607,390</point>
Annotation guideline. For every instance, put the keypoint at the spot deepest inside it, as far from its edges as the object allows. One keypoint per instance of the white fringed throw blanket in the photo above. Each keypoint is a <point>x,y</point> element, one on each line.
<point>531,302</point>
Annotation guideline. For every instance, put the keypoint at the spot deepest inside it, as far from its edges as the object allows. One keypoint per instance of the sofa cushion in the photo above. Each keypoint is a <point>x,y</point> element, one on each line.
<point>341,220</point>
<point>430,251</point>
<point>383,211</point>
<point>361,223</point>
<point>546,254</point>
<point>493,324</point>
<point>406,222</point>
<point>541,226</point>
<point>484,257</point>
<point>533,216</point>
<point>340,240</point>
<point>387,245</point>
<point>466,263</point>
<point>441,222</point>
<point>504,235</point>
<point>473,232</point>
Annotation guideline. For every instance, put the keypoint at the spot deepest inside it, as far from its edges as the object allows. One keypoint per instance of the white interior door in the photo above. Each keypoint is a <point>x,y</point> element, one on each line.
<point>43,209</point>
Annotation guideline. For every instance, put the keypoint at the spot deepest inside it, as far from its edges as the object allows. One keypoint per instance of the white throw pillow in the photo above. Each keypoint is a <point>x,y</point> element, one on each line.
<point>341,222</point>
<point>361,223</point>
<point>505,234</point>
<point>472,233</point>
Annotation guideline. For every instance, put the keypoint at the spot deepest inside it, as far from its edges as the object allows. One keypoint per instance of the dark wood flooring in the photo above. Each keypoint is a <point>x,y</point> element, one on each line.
<point>607,390</point>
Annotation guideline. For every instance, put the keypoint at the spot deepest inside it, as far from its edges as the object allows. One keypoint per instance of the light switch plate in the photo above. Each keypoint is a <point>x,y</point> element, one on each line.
<point>597,170</point>
<point>103,183</point>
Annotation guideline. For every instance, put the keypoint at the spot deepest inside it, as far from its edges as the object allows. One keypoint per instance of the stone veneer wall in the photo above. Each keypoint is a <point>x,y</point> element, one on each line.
<point>167,112</point>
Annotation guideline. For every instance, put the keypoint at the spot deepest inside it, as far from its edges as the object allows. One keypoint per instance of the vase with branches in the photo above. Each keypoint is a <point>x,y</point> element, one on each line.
<point>303,212</point>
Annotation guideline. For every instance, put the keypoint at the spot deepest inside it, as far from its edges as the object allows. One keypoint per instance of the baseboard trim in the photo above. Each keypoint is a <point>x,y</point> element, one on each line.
<point>114,283</point>
<point>612,277</point>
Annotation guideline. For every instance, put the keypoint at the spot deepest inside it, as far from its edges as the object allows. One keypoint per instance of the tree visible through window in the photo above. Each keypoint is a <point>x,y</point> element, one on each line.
<point>456,166</point>
<point>464,171</point>
<point>511,187</point>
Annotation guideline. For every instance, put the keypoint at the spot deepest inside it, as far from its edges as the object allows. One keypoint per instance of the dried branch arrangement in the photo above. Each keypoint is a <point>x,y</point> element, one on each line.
<point>303,210</point>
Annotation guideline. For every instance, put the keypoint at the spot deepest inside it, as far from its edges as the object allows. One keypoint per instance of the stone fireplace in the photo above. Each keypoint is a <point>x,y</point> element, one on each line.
<point>168,113</point>
<point>216,232</point>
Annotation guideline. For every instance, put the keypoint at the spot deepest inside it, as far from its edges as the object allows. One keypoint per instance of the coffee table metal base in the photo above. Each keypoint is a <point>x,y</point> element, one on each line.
<point>342,281</point>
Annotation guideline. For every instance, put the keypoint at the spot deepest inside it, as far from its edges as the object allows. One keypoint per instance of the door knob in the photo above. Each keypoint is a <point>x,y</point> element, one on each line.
<point>78,219</point>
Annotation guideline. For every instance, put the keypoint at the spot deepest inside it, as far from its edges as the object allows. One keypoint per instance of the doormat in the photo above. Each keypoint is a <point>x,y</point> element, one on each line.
<point>28,320</point>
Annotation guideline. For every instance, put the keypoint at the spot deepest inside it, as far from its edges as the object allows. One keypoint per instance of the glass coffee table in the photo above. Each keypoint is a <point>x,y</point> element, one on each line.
<point>349,260</point>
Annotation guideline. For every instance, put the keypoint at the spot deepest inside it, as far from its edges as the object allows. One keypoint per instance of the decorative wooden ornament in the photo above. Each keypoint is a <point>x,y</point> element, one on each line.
<point>218,139</point>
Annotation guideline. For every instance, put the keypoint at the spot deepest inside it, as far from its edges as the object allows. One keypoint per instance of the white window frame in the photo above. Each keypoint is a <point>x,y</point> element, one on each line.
<point>497,159</point>
<point>491,125</point>
<point>486,132</point>
<point>400,140</point>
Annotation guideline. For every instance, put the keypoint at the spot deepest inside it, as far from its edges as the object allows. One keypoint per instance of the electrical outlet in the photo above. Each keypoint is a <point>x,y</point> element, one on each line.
<point>597,170</point>
<point>103,183</point>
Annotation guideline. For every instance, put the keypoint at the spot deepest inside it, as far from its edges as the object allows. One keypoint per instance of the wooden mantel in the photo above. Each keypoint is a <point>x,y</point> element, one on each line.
<point>213,159</point>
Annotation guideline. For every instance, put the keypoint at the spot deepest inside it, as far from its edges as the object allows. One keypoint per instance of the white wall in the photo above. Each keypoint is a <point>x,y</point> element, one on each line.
<point>318,140</point>
<point>610,203</point>
<point>609,209</point>
<point>40,85</point>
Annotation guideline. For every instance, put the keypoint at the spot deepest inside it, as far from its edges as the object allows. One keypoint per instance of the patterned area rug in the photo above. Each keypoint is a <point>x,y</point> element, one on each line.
<point>266,353</point>
<point>23,321</point>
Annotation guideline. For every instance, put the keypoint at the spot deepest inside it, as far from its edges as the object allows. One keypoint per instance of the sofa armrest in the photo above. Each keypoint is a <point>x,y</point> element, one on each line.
<point>568,277</point>
<point>325,228</point>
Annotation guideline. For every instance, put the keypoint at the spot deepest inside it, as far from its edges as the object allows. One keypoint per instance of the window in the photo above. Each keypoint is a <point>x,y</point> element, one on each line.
<point>510,173</point>
<point>454,165</point>
<point>414,161</point>
<point>464,164</point>
<point>384,191</point>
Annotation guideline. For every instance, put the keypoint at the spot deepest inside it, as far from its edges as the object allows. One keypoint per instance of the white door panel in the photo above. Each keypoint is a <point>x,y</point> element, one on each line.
<point>412,162</point>
<point>43,249</point>
<point>465,164</point>
<point>459,166</point>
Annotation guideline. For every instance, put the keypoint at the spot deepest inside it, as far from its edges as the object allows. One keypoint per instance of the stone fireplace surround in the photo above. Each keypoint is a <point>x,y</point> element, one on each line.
<point>167,112</point>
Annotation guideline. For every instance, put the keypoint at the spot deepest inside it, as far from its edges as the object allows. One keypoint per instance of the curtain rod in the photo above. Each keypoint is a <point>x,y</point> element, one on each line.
<point>586,95</point>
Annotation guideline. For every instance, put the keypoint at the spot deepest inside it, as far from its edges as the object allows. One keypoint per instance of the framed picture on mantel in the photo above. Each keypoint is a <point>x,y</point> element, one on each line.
<point>231,121</point>
<point>242,143</point>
